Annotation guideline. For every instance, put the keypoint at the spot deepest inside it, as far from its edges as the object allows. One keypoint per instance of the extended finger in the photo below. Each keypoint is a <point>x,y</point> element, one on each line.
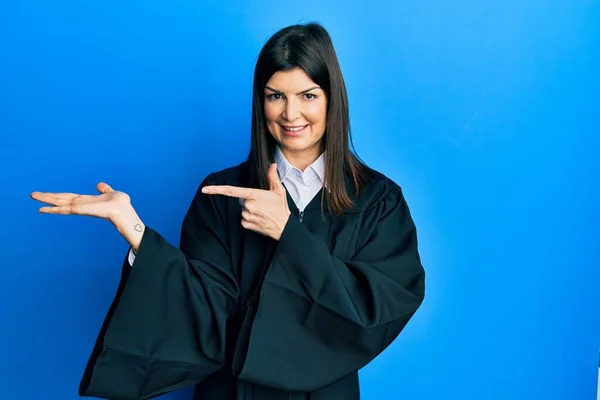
<point>231,191</point>
<point>60,199</point>
<point>69,209</point>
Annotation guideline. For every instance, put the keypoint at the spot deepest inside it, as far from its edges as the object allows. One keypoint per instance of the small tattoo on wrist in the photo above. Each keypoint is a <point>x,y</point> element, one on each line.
<point>138,227</point>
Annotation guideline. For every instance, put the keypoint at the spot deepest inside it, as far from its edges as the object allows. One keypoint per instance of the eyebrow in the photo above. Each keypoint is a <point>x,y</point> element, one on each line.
<point>302,92</point>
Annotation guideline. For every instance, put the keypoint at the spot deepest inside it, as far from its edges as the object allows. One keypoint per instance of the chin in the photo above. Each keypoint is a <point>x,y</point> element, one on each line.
<point>296,145</point>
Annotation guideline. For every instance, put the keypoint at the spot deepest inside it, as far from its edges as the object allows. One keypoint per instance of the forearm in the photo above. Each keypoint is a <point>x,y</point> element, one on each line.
<point>130,226</point>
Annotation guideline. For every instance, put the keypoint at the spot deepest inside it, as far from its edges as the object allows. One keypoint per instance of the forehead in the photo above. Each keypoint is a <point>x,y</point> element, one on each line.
<point>295,80</point>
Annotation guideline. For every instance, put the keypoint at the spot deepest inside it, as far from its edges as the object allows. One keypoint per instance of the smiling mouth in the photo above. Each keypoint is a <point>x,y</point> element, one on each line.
<point>293,129</point>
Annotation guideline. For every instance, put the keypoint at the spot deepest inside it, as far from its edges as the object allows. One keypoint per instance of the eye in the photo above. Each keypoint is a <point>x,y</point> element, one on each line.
<point>310,96</point>
<point>274,96</point>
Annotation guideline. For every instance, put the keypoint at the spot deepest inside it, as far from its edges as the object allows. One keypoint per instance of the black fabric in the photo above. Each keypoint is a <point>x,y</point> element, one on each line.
<point>242,316</point>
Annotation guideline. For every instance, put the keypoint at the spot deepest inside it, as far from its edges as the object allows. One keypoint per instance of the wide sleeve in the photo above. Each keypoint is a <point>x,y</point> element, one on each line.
<point>166,327</point>
<point>320,318</point>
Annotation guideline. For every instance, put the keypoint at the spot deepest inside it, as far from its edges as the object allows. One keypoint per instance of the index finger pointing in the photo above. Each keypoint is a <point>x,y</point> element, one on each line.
<point>231,191</point>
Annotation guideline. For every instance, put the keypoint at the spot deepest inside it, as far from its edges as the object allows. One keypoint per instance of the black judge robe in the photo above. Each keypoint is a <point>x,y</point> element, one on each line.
<point>242,316</point>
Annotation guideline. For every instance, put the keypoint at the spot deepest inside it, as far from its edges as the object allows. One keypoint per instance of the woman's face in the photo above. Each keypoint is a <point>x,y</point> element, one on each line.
<point>295,112</point>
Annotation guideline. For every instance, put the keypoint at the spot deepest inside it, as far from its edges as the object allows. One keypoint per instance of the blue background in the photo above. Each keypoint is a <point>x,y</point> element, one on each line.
<point>485,112</point>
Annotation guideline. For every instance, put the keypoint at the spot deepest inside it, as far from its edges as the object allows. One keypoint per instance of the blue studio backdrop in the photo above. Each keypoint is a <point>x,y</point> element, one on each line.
<point>485,112</point>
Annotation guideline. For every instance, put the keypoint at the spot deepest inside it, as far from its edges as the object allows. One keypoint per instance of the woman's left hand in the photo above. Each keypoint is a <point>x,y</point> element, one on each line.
<point>265,211</point>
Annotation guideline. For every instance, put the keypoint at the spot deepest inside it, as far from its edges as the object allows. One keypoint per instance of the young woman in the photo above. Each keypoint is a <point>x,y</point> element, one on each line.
<point>295,268</point>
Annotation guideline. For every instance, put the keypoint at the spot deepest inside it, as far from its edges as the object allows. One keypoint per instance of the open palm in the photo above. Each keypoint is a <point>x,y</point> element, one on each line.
<point>106,205</point>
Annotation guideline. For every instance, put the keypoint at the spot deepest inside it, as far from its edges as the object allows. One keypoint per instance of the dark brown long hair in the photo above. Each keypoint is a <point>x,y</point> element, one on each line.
<point>309,47</point>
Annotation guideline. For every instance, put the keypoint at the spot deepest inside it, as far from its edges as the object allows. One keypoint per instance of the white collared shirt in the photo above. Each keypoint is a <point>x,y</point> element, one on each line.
<point>302,186</point>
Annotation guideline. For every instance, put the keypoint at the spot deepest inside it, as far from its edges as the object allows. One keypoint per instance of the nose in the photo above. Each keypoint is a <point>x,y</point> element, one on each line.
<point>292,111</point>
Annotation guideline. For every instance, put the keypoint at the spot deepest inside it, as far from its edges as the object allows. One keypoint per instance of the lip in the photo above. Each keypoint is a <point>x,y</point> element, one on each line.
<point>297,133</point>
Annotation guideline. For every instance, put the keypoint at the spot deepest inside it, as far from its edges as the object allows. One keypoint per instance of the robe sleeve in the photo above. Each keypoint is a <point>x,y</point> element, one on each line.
<point>166,327</point>
<point>320,318</point>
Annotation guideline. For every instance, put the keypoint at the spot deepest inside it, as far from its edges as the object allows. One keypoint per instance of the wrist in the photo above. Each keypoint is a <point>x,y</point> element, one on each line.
<point>130,226</point>
<point>282,225</point>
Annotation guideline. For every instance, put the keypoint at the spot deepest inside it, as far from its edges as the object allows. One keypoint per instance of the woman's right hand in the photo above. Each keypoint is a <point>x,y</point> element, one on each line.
<point>108,205</point>
<point>111,205</point>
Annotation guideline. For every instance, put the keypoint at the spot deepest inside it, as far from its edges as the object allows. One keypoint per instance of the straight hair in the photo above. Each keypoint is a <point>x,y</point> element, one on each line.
<point>309,47</point>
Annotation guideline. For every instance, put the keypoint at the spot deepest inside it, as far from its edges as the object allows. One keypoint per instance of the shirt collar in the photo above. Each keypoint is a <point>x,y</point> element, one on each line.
<point>284,167</point>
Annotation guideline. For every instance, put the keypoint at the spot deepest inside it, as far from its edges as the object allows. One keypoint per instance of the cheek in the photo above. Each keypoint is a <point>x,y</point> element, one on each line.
<point>317,114</point>
<point>271,112</point>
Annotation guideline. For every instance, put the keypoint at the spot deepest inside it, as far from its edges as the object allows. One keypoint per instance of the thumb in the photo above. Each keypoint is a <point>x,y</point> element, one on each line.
<point>275,184</point>
<point>104,188</point>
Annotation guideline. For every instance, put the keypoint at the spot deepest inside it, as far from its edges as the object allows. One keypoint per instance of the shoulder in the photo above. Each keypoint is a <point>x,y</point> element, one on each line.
<point>235,176</point>
<point>378,189</point>
<point>232,176</point>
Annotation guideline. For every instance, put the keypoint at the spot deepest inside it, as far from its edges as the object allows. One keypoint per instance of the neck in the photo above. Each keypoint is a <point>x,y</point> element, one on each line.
<point>302,159</point>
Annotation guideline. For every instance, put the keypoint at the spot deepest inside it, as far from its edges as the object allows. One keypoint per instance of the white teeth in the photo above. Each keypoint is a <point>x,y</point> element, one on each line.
<point>293,129</point>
